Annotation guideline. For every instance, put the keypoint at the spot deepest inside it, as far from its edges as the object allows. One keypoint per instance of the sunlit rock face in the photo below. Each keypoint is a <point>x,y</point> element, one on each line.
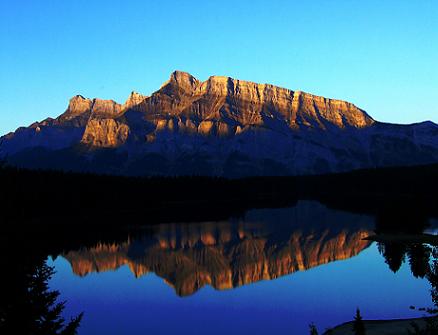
<point>221,126</point>
<point>105,133</point>
<point>266,245</point>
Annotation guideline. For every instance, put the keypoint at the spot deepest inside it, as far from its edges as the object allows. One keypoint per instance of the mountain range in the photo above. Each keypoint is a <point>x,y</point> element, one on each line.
<point>218,127</point>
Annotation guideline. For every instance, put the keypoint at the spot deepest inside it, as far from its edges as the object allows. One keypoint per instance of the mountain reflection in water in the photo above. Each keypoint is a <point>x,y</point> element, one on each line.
<point>263,245</point>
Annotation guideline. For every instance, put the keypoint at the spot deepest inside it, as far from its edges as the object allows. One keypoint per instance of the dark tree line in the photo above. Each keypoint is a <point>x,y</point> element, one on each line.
<point>32,194</point>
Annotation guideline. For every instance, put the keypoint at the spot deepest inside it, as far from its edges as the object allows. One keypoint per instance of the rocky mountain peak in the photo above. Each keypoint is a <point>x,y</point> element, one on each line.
<point>105,108</point>
<point>77,106</point>
<point>134,99</point>
<point>182,80</point>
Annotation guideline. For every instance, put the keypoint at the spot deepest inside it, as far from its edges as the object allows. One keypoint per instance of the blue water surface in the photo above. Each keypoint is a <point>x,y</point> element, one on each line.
<point>115,302</point>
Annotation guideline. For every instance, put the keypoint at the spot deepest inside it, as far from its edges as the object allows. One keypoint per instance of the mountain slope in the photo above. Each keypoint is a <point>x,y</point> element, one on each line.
<point>221,126</point>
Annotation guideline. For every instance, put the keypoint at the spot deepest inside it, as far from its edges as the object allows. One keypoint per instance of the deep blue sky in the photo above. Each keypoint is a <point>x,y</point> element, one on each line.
<point>380,55</point>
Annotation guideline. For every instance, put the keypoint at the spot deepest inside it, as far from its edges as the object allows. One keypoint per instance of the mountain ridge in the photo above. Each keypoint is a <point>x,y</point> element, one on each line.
<point>220,126</point>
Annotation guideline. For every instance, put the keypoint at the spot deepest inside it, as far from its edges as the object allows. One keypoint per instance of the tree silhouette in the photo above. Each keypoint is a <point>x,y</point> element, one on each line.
<point>31,308</point>
<point>431,323</point>
<point>313,330</point>
<point>418,256</point>
<point>358,324</point>
<point>394,254</point>
<point>432,277</point>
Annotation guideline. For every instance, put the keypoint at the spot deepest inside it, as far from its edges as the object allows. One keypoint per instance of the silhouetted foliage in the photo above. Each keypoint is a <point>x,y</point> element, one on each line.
<point>432,276</point>
<point>397,196</point>
<point>418,256</point>
<point>358,324</point>
<point>394,254</point>
<point>431,322</point>
<point>313,330</point>
<point>33,309</point>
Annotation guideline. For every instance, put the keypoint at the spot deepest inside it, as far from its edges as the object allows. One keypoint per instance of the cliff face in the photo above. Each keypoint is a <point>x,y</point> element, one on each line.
<point>222,126</point>
<point>105,133</point>
<point>226,255</point>
<point>234,103</point>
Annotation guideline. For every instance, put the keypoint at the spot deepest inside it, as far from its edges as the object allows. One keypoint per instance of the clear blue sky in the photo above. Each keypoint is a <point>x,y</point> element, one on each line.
<point>380,55</point>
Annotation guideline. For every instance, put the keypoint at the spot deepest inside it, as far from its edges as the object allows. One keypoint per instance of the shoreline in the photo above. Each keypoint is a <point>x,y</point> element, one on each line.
<point>379,327</point>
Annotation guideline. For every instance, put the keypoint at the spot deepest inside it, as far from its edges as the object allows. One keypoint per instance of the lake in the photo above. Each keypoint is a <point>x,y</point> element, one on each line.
<point>269,271</point>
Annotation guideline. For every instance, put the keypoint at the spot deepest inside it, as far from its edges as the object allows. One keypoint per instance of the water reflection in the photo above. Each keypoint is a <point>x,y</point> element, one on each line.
<point>263,245</point>
<point>423,263</point>
<point>404,235</point>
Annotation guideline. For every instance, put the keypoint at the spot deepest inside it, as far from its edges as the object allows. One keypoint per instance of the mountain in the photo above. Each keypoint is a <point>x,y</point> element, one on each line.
<point>223,127</point>
<point>266,245</point>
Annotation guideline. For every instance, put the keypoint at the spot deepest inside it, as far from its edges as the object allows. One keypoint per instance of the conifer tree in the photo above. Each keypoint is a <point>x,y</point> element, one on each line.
<point>313,330</point>
<point>358,324</point>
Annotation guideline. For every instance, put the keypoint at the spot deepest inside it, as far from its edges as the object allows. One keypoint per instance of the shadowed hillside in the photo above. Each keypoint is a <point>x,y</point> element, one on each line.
<point>218,127</point>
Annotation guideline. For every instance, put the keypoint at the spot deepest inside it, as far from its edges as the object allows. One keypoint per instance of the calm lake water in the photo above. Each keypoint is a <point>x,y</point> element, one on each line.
<point>272,271</point>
